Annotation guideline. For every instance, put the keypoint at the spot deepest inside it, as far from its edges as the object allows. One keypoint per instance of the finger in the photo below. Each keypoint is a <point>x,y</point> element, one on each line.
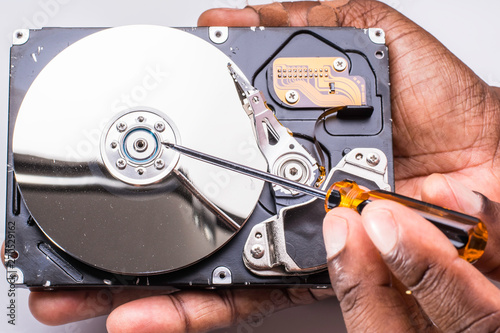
<point>445,191</point>
<point>455,295</point>
<point>189,311</point>
<point>66,306</point>
<point>181,312</point>
<point>229,17</point>
<point>271,15</point>
<point>362,282</point>
<point>3,254</point>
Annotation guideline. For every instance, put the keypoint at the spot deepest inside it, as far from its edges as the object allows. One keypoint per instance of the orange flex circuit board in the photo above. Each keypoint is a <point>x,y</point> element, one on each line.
<point>317,81</point>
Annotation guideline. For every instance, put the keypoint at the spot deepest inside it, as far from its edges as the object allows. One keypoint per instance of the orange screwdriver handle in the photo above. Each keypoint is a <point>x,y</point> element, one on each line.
<point>467,233</point>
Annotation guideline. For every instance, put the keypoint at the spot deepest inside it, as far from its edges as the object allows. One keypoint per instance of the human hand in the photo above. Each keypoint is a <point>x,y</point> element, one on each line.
<point>421,100</point>
<point>445,121</point>
<point>392,270</point>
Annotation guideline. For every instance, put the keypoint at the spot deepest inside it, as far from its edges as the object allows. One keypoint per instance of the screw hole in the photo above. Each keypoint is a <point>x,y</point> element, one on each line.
<point>379,54</point>
<point>345,151</point>
<point>291,146</point>
<point>14,255</point>
<point>140,145</point>
<point>378,33</point>
<point>258,235</point>
<point>218,34</point>
<point>222,275</point>
<point>31,221</point>
<point>19,35</point>
<point>359,156</point>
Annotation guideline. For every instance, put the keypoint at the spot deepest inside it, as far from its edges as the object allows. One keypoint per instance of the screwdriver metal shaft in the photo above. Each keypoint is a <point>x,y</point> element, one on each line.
<point>467,233</point>
<point>262,175</point>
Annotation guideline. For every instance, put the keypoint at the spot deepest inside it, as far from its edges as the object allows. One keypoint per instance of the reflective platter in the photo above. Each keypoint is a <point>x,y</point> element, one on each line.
<point>89,160</point>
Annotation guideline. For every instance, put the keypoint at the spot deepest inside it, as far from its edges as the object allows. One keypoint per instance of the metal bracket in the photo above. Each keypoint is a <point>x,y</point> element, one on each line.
<point>265,252</point>
<point>222,276</point>
<point>376,35</point>
<point>218,35</point>
<point>20,36</point>
<point>367,163</point>
<point>15,276</point>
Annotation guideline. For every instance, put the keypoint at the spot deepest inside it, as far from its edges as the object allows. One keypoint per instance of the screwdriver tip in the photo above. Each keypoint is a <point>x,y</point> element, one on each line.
<point>168,144</point>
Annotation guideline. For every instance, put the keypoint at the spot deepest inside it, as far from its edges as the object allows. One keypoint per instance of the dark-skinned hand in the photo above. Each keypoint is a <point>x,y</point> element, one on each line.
<point>390,269</point>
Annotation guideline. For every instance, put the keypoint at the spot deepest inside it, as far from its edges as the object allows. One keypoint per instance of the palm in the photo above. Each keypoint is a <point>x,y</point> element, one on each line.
<point>445,117</point>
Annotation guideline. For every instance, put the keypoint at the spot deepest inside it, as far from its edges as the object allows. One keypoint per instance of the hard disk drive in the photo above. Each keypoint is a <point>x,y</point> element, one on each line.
<point>95,197</point>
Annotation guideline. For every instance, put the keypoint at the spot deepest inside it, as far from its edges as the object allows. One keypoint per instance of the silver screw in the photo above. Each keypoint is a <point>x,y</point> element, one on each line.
<point>159,164</point>
<point>140,119</point>
<point>121,163</point>
<point>373,159</point>
<point>292,96</point>
<point>257,251</point>
<point>256,99</point>
<point>121,126</point>
<point>294,171</point>
<point>159,126</point>
<point>340,64</point>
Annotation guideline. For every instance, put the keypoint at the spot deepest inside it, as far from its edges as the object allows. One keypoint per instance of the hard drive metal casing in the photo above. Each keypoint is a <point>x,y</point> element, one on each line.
<point>34,262</point>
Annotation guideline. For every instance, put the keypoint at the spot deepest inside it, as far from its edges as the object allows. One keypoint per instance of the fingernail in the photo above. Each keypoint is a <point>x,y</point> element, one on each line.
<point>381,228</point>
<point>335,231</point>
<point>470,202</point>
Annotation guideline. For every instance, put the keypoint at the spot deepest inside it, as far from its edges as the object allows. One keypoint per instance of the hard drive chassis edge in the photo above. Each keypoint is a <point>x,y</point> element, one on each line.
<point>33,262</point>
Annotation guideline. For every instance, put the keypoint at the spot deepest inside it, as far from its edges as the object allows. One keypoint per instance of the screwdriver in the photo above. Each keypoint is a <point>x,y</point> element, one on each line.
<point>467,233</point>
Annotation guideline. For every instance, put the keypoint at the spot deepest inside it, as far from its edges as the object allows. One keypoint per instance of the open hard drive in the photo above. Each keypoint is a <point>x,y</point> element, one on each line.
<point>95,198</point>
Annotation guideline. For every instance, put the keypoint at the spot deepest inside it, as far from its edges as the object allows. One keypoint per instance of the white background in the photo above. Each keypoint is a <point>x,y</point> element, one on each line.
<point>469,29</point>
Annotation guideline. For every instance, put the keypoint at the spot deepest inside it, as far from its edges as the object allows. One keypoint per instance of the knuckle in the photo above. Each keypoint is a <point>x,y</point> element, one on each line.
<point>418,274</point>
<point>301,296</point>
<point>273,15</point>
<point>179,306</point>
<point>362,13</point>
<point>430,279</point>
<point>489,322</point>
<point>350,296</point>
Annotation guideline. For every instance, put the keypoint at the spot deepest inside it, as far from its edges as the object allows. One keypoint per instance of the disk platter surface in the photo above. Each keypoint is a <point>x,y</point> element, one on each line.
<point>89,159</point>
